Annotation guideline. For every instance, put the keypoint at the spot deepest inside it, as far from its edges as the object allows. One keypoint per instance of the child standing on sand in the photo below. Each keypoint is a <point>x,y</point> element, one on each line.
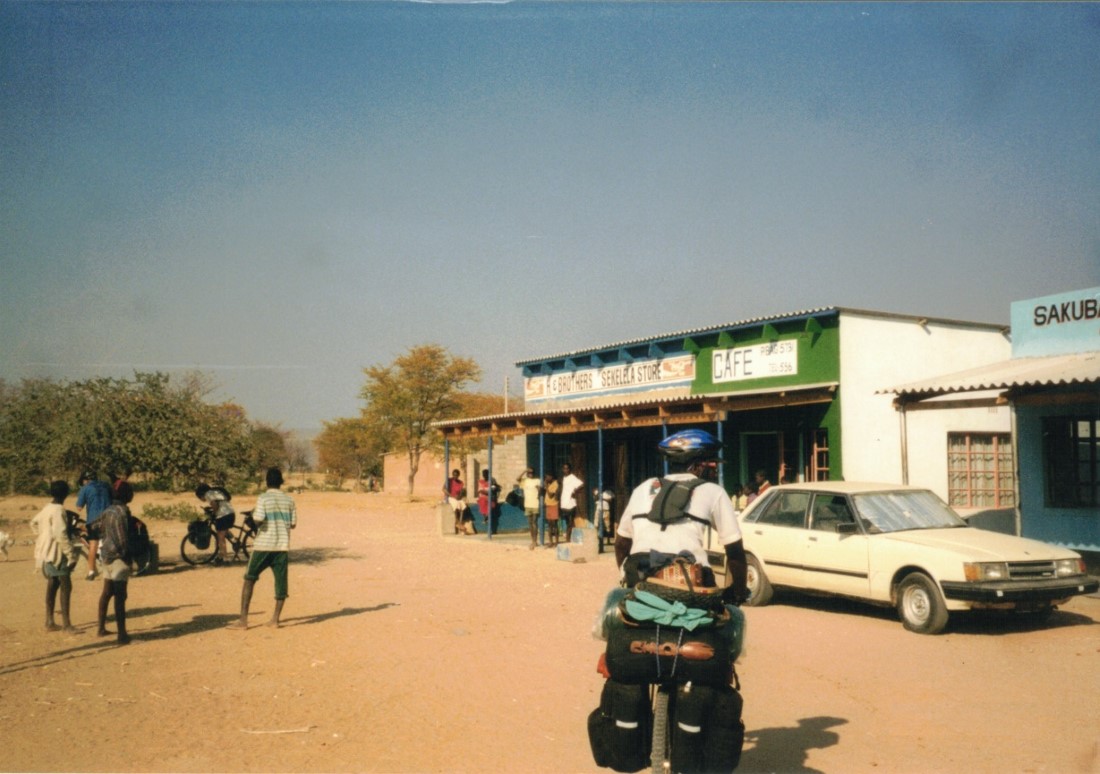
<point>55,555</point>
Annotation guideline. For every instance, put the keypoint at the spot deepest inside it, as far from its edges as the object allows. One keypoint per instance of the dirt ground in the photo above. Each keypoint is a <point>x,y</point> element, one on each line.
<point>404,650</point>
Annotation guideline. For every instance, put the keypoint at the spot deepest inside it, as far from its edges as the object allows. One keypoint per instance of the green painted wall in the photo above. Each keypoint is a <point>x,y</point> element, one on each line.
<point>818,354</point>
<point>817,342</point>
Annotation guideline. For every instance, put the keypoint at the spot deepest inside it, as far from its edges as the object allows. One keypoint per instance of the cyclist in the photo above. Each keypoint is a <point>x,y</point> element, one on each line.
<point>692,455</point>
<point>217,502</point>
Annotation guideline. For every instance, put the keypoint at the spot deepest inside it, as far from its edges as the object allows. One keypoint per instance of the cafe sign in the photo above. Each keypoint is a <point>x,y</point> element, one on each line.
<point>760,361</point>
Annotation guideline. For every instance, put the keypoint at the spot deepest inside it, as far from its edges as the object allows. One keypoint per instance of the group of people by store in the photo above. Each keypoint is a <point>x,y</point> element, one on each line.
<point>744,494</point>
<point>108,544</point>
<point>559,497</point>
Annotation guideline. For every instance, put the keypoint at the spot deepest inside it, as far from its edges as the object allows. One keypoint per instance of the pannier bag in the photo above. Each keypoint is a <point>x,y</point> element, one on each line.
<point>652,653</point>
<point>619,729</point>
<point>198,533</point>
<point>707,731</point>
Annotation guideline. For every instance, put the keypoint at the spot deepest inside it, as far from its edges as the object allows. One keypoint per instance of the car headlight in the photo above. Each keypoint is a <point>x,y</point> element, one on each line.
<point>985,571</point>
<point>1067,567</point>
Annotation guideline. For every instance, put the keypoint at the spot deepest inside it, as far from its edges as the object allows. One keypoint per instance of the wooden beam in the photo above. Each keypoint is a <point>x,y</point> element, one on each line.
<point>960,403</point>
<point>1055,398</point>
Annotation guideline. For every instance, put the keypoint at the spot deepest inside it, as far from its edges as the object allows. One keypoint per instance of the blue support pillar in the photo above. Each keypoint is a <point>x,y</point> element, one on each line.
<point>446,466</point>
<point>489,516</point>
<point>664,434</point>
<point>542,479</point>
<point>599,487</point>
<point>721,456</point>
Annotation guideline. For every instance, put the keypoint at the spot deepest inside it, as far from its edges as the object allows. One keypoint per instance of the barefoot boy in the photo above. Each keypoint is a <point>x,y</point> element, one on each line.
<point>275,515</point>
<point>55,554</point>
<point>114,542</point>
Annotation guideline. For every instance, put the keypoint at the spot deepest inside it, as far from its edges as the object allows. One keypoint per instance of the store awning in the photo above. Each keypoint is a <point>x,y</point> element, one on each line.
<point>636,413</point>
<point>1012,377</point>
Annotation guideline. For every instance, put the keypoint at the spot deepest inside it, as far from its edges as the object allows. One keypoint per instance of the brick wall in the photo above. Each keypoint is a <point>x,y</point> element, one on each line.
<point>509,460</point>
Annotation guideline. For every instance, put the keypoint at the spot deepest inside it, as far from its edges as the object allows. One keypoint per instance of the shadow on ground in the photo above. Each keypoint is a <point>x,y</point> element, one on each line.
<point>197,625</point>
<point>320,617</point>
<point>83,642</point>
<point>310,556</point>
<point>786,748</point>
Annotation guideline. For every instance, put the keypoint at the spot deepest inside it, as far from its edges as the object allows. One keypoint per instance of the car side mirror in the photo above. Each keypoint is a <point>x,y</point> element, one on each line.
<point>847,528</point>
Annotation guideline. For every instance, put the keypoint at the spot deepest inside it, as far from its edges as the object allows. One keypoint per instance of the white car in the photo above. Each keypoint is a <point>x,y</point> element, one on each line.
<point>899,546</point>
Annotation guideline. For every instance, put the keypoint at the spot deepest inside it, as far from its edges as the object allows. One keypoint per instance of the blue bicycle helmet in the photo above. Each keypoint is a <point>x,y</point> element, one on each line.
<point>689,446</point>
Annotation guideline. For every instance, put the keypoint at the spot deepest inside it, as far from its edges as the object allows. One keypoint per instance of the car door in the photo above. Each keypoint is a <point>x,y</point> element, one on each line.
<point>834,557</point>
<point>777,536</point>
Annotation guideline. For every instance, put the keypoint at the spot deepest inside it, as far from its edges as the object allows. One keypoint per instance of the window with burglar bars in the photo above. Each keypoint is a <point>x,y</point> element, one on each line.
<point>1071,461</point>
<point>981,472</point>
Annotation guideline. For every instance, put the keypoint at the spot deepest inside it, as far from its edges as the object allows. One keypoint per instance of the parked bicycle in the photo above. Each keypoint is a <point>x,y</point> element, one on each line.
<point>200,544</point>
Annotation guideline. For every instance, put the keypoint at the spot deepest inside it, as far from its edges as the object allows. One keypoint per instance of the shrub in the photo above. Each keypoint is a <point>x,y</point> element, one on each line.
<point>173,512</point>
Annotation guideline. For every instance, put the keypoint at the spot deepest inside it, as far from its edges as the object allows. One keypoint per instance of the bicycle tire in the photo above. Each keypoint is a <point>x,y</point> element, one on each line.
<point>145,562</point>
<point>192,554</point>
<point>242,545</point>
<point>658,749</point>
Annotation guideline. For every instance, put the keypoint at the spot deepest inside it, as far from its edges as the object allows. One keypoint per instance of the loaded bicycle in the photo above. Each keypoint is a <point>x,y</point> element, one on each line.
<point>200,544</point>
<point>671,701</point>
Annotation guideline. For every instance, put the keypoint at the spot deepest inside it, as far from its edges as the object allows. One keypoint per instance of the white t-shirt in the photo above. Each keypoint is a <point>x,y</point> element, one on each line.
<point>569,484</point>
<point>530,486</point>
<point>603,503</point>
<point>708,502</point>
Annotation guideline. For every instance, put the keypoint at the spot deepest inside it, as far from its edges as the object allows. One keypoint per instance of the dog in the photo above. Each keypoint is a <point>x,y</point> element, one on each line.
<point>5,541</point>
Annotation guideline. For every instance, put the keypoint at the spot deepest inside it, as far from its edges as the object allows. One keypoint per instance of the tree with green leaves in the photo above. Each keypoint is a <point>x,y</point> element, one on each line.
<point>351,448</point>
<point>418,388</point>
<point>268,447</point>
<point>145,425</point>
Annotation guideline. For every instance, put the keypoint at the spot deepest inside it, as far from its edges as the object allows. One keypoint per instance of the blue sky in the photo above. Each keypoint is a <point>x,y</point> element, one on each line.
<point>281,194</point>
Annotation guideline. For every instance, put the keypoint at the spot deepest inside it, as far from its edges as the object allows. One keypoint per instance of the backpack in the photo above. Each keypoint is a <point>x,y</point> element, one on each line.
<point>515,498</point>
<point>669,506</point>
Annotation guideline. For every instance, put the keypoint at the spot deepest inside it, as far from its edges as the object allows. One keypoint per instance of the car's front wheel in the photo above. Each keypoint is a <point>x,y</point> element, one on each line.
<point>920,605</point>
<point>760,589</point>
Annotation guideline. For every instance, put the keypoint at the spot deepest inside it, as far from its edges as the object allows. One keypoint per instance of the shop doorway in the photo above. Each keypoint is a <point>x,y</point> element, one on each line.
<point>760,451</point>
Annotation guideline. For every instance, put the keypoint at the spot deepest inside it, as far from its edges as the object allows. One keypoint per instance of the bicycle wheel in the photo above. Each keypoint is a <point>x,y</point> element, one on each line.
<point>242,544</point>
<point>192,554</point>
<point>145,562</point>
<point>658,750</point>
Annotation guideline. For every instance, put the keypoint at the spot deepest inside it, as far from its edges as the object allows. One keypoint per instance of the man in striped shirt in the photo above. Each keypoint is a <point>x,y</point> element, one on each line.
<point>275,515</point>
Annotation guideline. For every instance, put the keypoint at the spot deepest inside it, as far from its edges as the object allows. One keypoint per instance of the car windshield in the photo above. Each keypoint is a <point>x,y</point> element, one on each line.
<point>899,511</point>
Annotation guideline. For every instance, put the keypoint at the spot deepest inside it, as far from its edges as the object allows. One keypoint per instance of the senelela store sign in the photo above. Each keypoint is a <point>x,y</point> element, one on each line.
<point>1062,324</point>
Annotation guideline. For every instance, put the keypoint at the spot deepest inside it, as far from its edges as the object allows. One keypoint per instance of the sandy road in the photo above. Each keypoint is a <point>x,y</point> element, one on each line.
<point>406,651</point>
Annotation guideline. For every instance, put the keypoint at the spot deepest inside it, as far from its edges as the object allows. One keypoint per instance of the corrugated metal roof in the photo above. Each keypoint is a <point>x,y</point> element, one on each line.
<point>752,321</point>
<point>678,334</point>
<point>1052,371</point>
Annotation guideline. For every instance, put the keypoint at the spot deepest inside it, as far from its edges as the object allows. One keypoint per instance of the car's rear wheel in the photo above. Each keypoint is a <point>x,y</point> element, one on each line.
<point>920,605</point>
<point>760,589</point>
